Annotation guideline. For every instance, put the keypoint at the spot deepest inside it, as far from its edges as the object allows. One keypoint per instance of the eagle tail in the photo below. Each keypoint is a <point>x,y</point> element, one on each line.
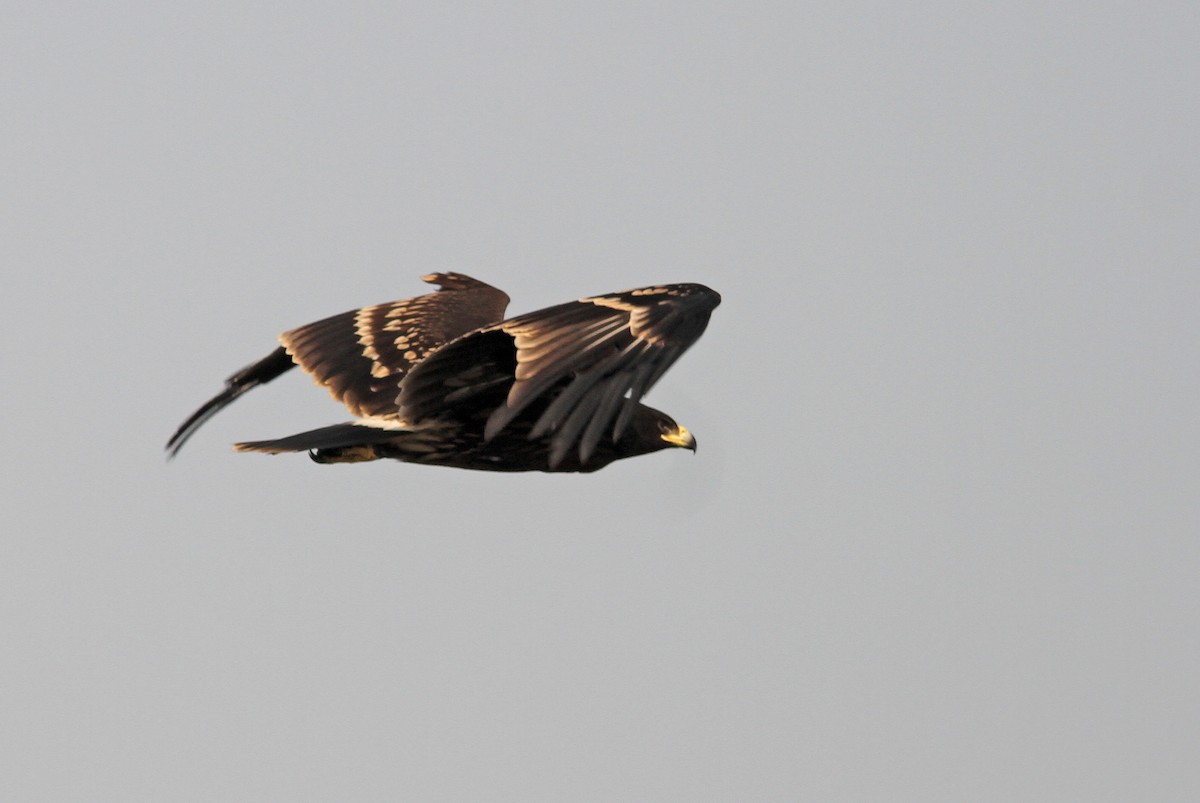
<point>338,443</point>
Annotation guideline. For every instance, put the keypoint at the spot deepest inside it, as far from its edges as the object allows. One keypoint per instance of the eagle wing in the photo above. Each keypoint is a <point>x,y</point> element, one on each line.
<point>360,356</point>
<point>589,362</point>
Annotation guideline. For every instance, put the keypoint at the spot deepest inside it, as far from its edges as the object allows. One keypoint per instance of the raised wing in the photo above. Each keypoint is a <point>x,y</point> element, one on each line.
<point>361,355</point>
<point>587,363</point>
<point>250,377</point>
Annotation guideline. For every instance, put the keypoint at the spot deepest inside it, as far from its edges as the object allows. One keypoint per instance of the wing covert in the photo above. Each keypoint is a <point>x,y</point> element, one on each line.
<point>589,362</point>
<point>361,355</point>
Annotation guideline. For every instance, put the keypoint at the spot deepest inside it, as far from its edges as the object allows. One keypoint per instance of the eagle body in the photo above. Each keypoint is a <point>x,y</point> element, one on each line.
<point>444,379</point>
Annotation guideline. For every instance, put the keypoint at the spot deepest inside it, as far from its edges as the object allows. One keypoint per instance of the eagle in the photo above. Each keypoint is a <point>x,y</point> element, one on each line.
<point>445,379</point>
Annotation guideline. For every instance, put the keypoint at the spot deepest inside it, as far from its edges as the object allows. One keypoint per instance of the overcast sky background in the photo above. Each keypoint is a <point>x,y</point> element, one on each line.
<point>941,539</point>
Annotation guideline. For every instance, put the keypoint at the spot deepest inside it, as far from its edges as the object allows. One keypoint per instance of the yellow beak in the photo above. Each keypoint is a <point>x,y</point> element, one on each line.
<point>680,437</point>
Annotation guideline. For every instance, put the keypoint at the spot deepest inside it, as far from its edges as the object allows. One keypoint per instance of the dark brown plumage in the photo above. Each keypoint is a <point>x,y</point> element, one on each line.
<point>443,379</point>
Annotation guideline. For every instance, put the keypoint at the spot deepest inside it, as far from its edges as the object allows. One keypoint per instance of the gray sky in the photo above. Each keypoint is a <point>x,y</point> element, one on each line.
<point>939,541</point>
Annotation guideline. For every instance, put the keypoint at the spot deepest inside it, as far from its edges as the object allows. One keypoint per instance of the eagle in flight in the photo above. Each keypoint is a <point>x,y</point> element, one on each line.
<point>444,379</point>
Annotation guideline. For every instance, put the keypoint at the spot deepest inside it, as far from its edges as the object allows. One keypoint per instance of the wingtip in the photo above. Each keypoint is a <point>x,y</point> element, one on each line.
<point>176,441</point>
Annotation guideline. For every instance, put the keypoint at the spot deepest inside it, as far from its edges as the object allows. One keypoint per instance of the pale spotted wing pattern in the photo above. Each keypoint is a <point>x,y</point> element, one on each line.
<point>599,355</point>
<point>361,355</point>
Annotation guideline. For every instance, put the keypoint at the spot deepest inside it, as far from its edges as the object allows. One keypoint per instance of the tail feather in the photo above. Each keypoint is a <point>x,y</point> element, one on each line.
<point>339,443</point>
<point>253,375</point>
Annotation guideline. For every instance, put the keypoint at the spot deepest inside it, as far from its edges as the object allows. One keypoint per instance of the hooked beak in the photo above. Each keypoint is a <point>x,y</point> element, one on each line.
<point>680,437</point>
